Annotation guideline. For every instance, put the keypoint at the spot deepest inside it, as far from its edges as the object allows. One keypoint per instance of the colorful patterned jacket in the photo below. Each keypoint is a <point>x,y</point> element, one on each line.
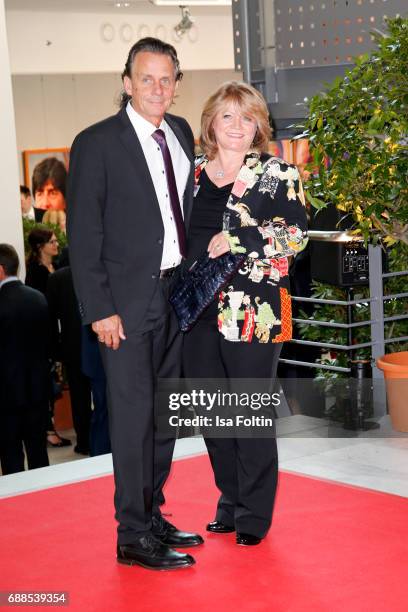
<point>265,218</point>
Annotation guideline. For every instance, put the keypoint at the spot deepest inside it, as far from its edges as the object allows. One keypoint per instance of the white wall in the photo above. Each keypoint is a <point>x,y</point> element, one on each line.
<point>10,212</point>
<point>63,87</point>
<point>77,46</point>
<point>51,109</point>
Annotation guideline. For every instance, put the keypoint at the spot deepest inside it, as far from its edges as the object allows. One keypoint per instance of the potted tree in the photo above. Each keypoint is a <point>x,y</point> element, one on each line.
<point>360,122</point>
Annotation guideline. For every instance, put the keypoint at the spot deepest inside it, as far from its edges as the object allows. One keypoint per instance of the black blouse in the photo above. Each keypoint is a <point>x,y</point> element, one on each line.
<point>206,221</point>
<point>37,276</point>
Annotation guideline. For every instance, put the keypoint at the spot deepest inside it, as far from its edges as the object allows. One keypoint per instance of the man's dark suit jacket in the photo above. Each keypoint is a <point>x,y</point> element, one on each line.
<point>115,227</point>
<point>37,276</point>
<point>24,346</point>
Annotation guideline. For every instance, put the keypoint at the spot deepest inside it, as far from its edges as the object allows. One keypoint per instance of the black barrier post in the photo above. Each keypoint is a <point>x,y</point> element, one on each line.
<point>360,404</point>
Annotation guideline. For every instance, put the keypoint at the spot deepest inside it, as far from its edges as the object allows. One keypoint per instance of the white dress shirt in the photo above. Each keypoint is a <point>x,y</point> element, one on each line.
<point>8,279</point>
<point>29,215</point>
<point>144,129</point>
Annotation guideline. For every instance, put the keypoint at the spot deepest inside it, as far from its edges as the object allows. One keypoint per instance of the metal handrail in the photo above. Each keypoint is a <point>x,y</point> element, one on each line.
<point>391,274</point>
<point>376,303</point>
<point>337,302</point>
<point>333,236</point>
<point>347,325</point>
<point>399,339</point>
<point>340,347</point>
<point>395,296</point>
<point>332,324</point>
<point>395,318</point>
<point>320,366</point>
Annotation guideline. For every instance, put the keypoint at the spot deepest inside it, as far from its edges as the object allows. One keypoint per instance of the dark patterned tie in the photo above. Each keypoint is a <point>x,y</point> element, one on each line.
<point>160,138</point>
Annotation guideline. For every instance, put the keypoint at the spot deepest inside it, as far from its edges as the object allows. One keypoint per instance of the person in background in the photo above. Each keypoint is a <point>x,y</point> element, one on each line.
<point>246,202</point>
<point>48,183</point>
<point>27,209</point>
<point>40,261</point>
<point>66,344</point>
<point>24,369</point>
<point>40,264</point>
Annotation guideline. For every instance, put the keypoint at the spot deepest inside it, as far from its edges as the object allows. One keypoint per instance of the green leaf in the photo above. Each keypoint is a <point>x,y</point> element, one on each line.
<point>315,202</point>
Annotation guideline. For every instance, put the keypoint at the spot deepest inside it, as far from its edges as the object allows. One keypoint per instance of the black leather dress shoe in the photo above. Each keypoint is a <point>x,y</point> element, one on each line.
<point>170,535</point>
<point>246,539</point>
<point>218,527</point>
<point>150,553</point>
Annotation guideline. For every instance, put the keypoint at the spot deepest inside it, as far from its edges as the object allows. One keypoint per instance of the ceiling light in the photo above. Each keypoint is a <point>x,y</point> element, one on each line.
<point>122,4</point>
<point>186,22</point>
<point>192,2</point>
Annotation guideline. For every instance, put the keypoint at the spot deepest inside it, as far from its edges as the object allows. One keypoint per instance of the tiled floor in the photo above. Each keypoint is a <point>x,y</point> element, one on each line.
<point>379,463</point>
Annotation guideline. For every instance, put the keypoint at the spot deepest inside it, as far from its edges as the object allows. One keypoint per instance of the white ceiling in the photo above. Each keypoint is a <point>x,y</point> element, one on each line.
<point>104,6</point>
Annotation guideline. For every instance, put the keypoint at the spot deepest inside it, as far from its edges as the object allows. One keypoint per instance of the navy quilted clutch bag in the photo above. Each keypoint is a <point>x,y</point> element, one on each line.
<point>197,288</point>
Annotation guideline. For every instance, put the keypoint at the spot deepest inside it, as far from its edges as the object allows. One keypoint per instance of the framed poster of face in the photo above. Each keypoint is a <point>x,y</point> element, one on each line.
<point>32,157</point>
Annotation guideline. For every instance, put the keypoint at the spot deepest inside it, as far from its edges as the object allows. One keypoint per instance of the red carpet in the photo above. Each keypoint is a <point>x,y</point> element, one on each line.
<point>332,548</point>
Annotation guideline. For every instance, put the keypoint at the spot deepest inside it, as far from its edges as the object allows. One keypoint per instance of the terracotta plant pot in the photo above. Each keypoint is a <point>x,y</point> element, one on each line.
<point>395,368</point>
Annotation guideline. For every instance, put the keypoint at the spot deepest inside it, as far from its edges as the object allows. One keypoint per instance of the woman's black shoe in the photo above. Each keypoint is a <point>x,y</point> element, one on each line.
<point>150,553</point>
<point>246,539</point>
<point>218,527</point>
<point>61,441</point>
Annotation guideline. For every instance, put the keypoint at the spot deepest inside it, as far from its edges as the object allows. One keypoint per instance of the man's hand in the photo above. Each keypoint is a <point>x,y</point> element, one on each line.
<point>218,245</point>
<point>109,331</point>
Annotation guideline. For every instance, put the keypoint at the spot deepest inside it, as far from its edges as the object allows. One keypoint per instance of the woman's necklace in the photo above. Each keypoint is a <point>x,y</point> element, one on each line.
<point>220,173</point>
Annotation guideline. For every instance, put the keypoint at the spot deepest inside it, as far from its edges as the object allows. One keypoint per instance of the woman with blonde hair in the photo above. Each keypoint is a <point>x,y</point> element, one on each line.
<point>247,202</point>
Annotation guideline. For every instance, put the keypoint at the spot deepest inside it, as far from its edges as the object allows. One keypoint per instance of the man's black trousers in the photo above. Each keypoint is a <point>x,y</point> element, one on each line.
<point>141,459</point>
<point>23,427</point>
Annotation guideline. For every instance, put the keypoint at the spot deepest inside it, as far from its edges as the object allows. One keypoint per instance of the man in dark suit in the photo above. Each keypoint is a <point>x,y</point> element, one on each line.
<point>130,192</point>
<point>24,369</point>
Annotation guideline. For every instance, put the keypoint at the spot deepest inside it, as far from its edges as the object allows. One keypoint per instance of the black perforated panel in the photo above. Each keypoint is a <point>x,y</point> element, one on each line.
<point>288,49</point>
<point>328,32</point>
